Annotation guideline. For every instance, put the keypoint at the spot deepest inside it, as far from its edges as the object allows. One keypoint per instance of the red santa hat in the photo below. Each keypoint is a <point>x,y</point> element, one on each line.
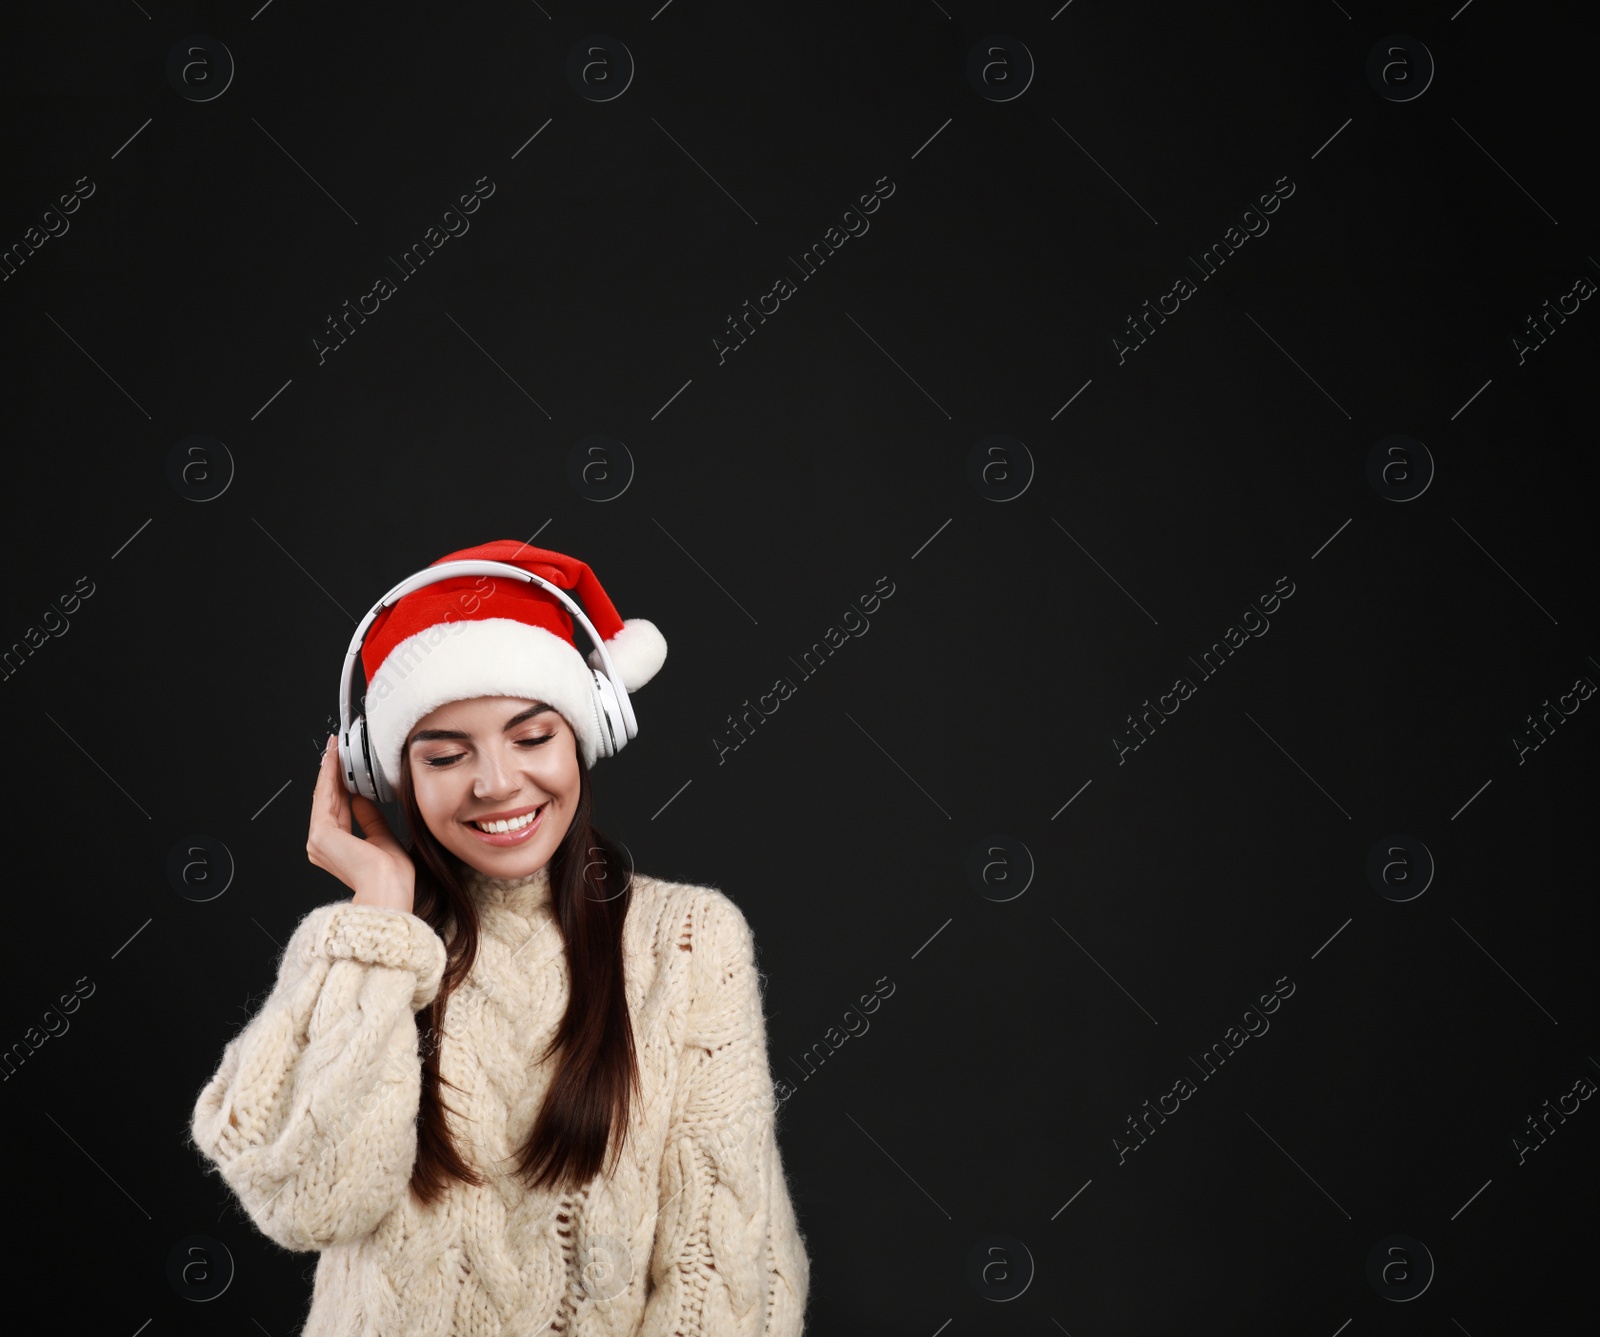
<point>496,636</point>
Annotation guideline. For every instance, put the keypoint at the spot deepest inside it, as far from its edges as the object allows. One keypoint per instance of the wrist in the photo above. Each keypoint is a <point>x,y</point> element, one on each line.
<point>386,894</point>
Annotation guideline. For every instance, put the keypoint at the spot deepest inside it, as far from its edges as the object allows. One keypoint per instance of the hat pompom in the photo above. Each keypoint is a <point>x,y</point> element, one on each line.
<point>638,650</point>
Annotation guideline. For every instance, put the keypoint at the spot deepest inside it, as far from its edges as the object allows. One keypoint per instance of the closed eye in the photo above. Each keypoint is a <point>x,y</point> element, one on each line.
<point>437,762</point>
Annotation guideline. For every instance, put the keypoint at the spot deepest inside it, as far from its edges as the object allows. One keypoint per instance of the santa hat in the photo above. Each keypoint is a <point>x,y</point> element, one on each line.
<point>497,636</point>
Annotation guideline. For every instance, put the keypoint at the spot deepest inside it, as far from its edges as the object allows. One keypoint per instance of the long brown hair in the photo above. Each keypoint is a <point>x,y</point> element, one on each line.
<point>585,1109</point>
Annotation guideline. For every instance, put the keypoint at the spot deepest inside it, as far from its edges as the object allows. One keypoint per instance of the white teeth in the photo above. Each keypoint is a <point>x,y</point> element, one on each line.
<point>512,824</point>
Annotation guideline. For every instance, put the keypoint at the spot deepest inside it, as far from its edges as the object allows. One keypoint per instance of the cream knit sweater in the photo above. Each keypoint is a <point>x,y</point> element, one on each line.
<point>311,1120</point>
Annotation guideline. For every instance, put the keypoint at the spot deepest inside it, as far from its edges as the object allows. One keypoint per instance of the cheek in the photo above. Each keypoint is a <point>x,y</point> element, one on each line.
<point>554,768</point>
<point>558,775</point>
<point>436,796</point>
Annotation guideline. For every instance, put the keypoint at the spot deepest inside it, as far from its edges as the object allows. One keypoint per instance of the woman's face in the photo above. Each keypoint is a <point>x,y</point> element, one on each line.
<point>502,762</point>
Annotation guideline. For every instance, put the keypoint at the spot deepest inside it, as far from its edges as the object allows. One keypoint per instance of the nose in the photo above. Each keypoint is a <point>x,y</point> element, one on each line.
<point>491,780</point>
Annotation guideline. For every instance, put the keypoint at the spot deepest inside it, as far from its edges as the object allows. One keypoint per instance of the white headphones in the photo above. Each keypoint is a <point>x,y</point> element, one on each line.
<point>613,712</point>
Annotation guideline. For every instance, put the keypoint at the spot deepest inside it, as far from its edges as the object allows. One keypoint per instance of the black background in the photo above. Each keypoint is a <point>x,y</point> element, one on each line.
<point>832,449</point>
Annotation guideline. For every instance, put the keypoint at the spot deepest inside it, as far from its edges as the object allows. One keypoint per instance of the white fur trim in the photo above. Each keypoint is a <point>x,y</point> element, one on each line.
<point>638,650</point>
<point>456,661</point>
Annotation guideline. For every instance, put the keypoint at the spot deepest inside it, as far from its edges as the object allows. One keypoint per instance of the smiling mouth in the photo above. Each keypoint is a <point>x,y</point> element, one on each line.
<point>509,825</point>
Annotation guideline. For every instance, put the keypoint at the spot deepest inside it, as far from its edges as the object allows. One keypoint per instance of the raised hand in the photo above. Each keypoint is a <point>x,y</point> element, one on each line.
<point>377,869</point>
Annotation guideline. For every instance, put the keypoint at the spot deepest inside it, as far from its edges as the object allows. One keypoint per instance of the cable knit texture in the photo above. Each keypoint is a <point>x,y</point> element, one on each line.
<point>311,1120</point>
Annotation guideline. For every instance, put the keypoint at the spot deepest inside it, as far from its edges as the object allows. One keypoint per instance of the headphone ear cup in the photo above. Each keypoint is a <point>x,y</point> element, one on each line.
<point>362,774</point>
<point>377,786</point>
<point>608,715</point>
<point>350,762</point>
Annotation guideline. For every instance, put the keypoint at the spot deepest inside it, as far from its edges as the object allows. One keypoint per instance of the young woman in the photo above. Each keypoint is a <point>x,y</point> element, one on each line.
<point>606,1159</point>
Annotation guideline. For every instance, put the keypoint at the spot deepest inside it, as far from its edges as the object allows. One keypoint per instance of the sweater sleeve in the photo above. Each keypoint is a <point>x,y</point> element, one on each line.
<point>729,1259</point>
<point>311,1116</point>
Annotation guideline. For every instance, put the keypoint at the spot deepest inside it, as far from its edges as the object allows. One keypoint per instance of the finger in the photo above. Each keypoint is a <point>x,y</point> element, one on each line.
<point>330,803</point>
<point>341,794</point>
<point>319,796</point>
<point>316,829</point>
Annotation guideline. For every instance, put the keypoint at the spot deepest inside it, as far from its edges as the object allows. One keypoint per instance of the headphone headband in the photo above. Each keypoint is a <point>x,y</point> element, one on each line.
<point>362,774</point>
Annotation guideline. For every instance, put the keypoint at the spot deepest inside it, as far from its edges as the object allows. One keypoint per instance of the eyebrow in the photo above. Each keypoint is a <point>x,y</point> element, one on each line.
<point>431,735</point>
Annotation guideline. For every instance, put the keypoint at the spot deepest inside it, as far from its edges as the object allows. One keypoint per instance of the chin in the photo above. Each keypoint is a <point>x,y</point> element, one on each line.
<point>510,864</point>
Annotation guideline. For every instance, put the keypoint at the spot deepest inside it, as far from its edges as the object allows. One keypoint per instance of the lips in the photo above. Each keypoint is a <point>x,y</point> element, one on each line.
<point>512,815</point>
<point>520,829</point>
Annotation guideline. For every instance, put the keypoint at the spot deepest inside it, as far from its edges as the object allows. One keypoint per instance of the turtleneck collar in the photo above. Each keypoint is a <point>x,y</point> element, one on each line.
<point>521,895</point>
